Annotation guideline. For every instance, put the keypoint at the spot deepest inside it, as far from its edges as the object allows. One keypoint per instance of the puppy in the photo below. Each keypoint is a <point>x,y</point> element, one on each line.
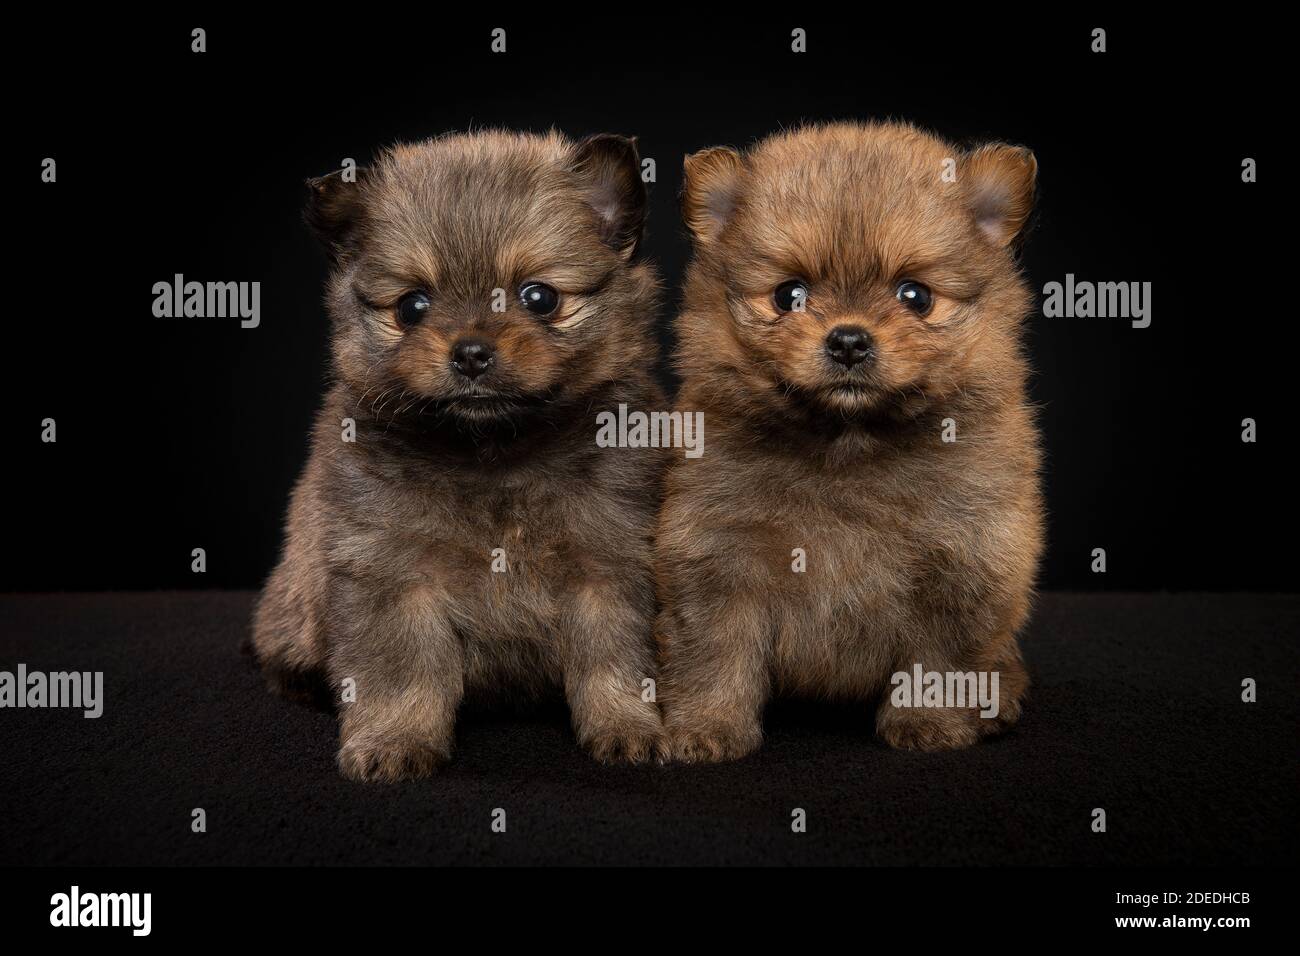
<point>457,529</point>
<point>869,499</point>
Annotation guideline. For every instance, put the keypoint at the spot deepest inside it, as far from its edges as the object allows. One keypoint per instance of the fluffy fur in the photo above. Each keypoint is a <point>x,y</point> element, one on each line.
<point>917,550</point>
<point>387,573</point>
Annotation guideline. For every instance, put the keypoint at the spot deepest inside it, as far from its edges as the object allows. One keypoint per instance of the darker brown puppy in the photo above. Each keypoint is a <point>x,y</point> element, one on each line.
<point>471,535</point>
<point>869,499</point>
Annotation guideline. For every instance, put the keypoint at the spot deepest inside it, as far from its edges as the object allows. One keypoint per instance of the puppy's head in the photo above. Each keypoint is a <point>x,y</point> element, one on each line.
<point>485,276</point>
<point>854,269</point>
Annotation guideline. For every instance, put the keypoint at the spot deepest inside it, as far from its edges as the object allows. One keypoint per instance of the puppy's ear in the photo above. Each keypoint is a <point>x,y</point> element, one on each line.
<point>711,190</point>
<point>609,174</point>
<point>999,183</point>
<point>334,208</point>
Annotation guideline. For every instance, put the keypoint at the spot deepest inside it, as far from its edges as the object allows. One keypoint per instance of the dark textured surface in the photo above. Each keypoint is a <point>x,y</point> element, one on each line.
<point>1136,708</point>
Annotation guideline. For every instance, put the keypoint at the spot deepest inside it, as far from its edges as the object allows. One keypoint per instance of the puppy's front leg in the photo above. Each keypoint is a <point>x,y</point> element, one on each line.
<point>717,678</point>
<point>951,727</point>
<point>607,657</point>
<point>408,666</point>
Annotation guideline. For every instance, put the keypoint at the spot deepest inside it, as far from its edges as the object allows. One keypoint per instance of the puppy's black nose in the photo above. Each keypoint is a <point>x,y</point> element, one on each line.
<point>471,356</point>
<point>849,345</point>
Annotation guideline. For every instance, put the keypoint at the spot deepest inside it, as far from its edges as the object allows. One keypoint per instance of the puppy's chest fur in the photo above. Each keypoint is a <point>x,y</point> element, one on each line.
<point>501,551</point>
<point>873,554</point>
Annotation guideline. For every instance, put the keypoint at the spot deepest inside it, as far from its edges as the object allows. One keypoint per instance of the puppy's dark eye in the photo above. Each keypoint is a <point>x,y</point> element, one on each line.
<point>539,299</point>
<point>790,296</point>
<point>915,296</point>
<point>413,307</point>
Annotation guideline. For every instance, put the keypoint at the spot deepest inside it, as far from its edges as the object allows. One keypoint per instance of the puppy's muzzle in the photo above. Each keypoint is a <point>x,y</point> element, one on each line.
<point>471,356</point>
<point>850,345</point>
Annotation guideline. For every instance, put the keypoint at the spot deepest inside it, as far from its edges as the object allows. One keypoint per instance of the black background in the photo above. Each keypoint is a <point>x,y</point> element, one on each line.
<point>176,434</point>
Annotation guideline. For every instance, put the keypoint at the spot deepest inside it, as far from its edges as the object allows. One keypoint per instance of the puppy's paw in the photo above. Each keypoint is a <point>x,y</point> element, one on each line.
<point>634,742</point>
<point>928,729</point>
<point>714,743</point>
<point>1007,716</point>
<point>388,760</point>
